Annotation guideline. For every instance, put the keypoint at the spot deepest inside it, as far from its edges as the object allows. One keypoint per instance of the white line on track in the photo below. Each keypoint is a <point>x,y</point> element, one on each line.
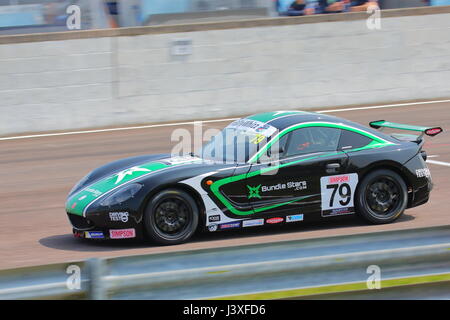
<point>386,106</point>
<point>113,129</point>
<point>440,163</point>
<point>209,121</point>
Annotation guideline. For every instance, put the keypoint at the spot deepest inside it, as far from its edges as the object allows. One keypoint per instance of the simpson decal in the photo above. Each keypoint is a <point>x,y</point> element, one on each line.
<point>122,234</point>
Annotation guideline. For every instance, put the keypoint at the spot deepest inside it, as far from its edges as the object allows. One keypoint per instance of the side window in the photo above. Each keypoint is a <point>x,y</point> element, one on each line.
<point>283,143</point>
<point>352,140</point>
<point>311,140</point>
<point>278,147</point>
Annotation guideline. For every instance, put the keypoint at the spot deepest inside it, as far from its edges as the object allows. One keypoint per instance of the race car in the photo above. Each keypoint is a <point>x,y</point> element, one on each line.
<point>284,167</point>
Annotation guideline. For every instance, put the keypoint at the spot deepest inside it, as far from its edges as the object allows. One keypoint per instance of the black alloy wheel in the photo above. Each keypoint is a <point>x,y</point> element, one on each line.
<point>171,217</point>
<point>381,197</point>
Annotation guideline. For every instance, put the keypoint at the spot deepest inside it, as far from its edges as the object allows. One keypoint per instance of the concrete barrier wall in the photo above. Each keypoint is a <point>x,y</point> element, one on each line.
<point>117,77</point>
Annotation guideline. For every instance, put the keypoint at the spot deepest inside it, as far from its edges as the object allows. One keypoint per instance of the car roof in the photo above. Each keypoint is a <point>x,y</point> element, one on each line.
<point>284,119</point>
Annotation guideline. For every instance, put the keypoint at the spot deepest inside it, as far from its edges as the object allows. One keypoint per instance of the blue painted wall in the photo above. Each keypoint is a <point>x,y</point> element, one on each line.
<point>17,19</point>
<point>440,2</point>
<point>149,7</point>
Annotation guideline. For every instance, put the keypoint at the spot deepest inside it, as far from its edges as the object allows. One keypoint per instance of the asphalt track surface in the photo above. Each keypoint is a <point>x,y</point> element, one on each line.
<point>37,174</point>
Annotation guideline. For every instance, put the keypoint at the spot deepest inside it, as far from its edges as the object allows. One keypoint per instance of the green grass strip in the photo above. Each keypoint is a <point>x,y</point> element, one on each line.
<point>346,287</point>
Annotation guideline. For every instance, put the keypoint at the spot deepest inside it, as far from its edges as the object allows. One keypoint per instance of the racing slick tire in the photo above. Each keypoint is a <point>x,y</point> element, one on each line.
<point>171,217</point>
<point>381,197</point>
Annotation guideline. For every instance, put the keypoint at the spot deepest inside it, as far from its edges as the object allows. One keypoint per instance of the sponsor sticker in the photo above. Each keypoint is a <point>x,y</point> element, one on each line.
<point>182,159</point>
<point>212,227</point>
<point>255,191</point>
<point>339,212</point>
<point>274,220</point>
<point>433,131</point>
<point>252,223</point>
<point>425,172</point>
<point>296,185</point>
<point>214,218</point>
<point>94,192</point>
<point>230,225</point>
<point>122,233</point>
<point>253,126</point>
<point>94,235</point>
<point>119,216</point>
<point>339,179</point>
<point>294,218</point>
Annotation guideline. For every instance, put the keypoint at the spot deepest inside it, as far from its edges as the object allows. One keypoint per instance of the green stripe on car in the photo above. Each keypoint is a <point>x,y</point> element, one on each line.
<point>79,202</point>
<point>219,183</point>
<point>377,142</point>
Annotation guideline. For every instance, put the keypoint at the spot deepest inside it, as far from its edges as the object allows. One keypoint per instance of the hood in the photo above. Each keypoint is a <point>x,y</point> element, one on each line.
<point>80,199</point>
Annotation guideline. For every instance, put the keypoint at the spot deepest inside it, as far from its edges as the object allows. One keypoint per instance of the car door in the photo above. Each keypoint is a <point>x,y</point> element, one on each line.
<point>291,184</point>
<point>338,191</point>
<point>234,202</point>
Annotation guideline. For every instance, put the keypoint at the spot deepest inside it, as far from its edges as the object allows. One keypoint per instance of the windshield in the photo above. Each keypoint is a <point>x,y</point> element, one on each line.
<point>238,142</point>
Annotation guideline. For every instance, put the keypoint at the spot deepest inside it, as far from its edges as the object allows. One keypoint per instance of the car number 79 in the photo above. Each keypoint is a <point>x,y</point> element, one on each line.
<point>338,191</point>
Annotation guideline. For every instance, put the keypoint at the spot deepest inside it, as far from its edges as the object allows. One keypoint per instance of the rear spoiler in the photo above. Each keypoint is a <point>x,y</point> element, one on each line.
<point>429,131</point>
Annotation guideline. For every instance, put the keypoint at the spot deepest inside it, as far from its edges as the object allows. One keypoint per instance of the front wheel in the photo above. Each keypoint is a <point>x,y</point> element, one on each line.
<point>171,217</point>
<point>381,197</point>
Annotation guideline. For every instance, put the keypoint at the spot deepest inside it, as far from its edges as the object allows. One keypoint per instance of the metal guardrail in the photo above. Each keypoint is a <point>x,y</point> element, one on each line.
<point>42,282</point>
<point>239,271</point>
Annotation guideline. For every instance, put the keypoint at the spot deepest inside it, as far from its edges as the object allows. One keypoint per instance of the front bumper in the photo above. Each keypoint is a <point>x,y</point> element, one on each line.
<point>86,228</point>
<point>111,234</point>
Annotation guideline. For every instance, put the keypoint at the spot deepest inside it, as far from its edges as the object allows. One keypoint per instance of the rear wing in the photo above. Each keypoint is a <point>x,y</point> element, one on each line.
<point>429,131</point>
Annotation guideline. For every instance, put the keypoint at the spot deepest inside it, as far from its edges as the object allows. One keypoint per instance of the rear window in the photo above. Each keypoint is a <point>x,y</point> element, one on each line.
<point>352,140</point>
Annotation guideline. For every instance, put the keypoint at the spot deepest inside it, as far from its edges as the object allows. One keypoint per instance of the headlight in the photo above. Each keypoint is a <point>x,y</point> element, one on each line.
<point>122,195</point>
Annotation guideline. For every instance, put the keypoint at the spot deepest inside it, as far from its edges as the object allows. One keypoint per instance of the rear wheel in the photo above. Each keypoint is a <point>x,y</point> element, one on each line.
<point>171,217</point>
<point>381,197</point>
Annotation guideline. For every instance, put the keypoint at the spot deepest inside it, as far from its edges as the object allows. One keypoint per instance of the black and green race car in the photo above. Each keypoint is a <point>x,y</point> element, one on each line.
<point>272,168</point>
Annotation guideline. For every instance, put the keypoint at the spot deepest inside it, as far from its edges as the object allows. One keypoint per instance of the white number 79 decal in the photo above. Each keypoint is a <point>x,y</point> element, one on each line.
<point>338,193</point>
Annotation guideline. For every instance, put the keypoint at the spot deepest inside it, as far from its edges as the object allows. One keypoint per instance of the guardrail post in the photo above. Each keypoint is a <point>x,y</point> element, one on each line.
<point>96,290</point>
